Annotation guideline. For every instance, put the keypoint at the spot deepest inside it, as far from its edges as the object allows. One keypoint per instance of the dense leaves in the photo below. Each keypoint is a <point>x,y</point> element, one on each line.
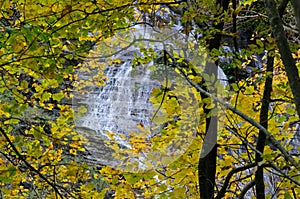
<point>43,46</point>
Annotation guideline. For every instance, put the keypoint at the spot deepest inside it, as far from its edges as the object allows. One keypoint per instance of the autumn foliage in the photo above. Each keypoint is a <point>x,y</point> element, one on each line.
<point>45,44</point>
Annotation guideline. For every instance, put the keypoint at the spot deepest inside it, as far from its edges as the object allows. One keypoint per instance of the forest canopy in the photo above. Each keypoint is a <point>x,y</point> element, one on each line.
<point>46,45</point>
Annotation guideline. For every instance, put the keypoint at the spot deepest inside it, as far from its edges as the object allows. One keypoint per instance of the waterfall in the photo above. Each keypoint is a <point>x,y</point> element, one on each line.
<point>141,100</point>
<point>123,103</point>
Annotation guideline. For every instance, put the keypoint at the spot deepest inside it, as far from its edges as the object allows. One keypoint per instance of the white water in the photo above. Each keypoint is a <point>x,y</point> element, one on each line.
<point>122,106</point>
<point>123,103</point>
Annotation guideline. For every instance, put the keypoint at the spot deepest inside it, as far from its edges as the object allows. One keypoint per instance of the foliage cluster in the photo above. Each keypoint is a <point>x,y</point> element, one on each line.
<point>43,45</point>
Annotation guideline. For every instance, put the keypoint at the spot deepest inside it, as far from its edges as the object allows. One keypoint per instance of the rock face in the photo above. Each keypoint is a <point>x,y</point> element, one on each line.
<point>98,152</point>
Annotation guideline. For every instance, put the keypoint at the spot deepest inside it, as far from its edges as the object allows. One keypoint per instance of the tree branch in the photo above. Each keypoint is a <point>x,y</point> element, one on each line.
<point>222,192</point>
<point>28,164</point>
<point>270,164</point>
<point>269,136</point>
<point>284,49</point>
<point>246,188</point>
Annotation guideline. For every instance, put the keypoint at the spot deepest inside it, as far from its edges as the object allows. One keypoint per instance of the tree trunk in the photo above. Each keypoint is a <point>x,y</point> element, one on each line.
<point>259,175</point>
<point>296,5</point>
<point>284,50</point>
<point>207,162</point>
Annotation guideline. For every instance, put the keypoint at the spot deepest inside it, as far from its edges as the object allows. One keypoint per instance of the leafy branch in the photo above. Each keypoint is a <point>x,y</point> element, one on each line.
<point>28,164</point>
<point>269,136</point>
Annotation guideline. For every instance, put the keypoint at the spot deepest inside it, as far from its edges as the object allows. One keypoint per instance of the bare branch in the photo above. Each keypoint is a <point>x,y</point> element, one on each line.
<point>246,189</point>
<point>269,136</point>
<point>222,192</point>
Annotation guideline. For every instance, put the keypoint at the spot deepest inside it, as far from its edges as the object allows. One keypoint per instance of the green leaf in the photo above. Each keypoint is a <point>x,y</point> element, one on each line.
<point>260,43</point>
<point>82,109</point>
<point>131,178</point>
<point>46,96</point>
<point>235,87</point>
<point>12,171</point>
<point>58,96</point>
<point>287,195</point>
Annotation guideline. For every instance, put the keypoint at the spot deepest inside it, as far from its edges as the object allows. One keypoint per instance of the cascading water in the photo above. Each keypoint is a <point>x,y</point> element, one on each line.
<point>139,102</point>
<point>123,103</point>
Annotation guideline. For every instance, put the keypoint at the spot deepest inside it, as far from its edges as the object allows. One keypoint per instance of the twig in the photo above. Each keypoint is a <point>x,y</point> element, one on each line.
<point>245,117</point>
<point>28,164</point>
<point>246,188</point>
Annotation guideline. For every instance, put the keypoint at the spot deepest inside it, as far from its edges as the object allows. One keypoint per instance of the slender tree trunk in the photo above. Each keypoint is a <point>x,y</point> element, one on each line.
<point>207,171</point>
<point>292,73</point>
<point>259,175</point>
<point>296,5</point>
<point>282,7</point>
<point>207,162</point>
<point>284,50</point>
